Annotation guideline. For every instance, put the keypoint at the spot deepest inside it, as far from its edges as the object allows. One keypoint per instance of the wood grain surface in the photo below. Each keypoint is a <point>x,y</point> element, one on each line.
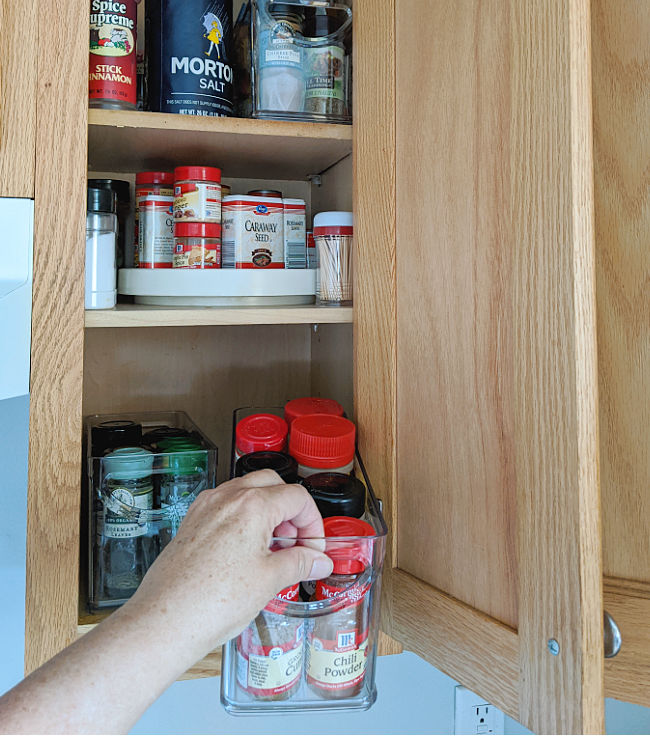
<point>57,332</point>
<point>476,650</point>
<point>560,592</point>
<point>374,267</point>
<point>621,94</point>
<point>18,74</point>
<point>455,360</point>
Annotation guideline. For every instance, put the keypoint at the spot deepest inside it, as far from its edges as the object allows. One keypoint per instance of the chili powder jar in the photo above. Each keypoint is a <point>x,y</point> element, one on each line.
<point>337,646</point>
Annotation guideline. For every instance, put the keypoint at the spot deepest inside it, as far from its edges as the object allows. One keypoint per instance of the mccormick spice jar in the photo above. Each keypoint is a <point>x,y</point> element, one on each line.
<point>260,432</point>
<point>337,494</point>
<point>155,232</point>
<point>295,223</point>
<point>197,246</point>
<point>322,443</point>
<point>270,652</point>
<point>284,465</point>
<point>197,194</point>
<point>112,81</point>
<point>311,406</point>
<point>150,182</point>
<point>253,232</point>
<point>337,645</point>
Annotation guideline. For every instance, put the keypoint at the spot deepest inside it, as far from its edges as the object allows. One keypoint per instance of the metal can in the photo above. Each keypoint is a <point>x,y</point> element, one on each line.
<point>149,183</point>
<point>156,233</point>
<point>253,233</point>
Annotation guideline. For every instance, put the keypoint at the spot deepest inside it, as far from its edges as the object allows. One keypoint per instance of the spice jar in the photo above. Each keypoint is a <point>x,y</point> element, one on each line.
<point>265,193</point>
<point>197,246</point>
<point>295,239</point>
<point>270,652</point>
<point>337,494</point>
<point>114,434</point>
<point>122,191</point>
<point>149,183</point>
<point>197,194</point>
<point>325,83</point>
<point>155,232</point>
<point>322,443</point>
<point>253,232</point>
<point>260,432</point>
<point>311,406</point>
<point>284,465</point>
<point>127,548</point>
<point>101,240</point>
<point>337,646</point>
<point>333,233</point>
<point>185,477</point>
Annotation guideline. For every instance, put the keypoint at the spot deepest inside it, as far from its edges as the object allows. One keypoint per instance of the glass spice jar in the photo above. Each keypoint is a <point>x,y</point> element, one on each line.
<point>270,652</point>
<point>184,479</point>
<point>322,442</point>
<point>197,246</point>
<point>197,194</point>
<point>337,645</point>
<point>260,432</point>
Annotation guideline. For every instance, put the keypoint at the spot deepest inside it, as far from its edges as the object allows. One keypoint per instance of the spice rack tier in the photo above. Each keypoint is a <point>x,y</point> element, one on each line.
<point>122,141</point>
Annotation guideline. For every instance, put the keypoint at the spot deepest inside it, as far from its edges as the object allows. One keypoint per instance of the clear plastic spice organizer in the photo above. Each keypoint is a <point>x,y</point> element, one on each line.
<point>317,654</point>
<point>143,472</point>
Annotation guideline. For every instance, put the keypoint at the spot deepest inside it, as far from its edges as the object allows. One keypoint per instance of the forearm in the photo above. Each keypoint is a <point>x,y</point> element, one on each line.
<point>100,684</point>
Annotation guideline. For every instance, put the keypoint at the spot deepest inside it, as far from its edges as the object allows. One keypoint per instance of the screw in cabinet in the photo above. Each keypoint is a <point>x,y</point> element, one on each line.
<point>554,647</point>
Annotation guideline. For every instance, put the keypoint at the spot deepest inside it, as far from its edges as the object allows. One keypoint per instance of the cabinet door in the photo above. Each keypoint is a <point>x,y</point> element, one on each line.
<point>476,382</point>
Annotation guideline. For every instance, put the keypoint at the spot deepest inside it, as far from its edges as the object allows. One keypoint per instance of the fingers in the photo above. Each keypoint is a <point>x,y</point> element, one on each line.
<point>298,564</point>
<point>293,504</point>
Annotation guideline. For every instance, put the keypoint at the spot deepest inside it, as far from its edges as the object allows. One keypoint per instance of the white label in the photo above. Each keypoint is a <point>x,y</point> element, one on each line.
<point>116,526</point>
<point>295,231</point>
<point>334,670</point>
<point>253,235</point>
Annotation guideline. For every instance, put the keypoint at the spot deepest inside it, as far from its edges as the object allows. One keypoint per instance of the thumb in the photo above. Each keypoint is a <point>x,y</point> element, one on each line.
<point>299,563</point>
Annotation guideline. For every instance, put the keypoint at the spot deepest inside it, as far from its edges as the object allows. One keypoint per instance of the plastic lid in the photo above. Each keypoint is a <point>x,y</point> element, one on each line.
<point>334,219</point>
<point>322,441</point>
<point>183,460</point>
<point>265,193</point>
<point>129,463</point>
<point>311,406</point>
<point>352,558</point>
<point>200,173</point>
<point>337,494</point>
<point>184,442</point>
<point>101,200</point>
<point>284,465</point>
<point>261,432</point>
<point>154,177</point>
<point>197,230</point>
<point>121,187</point>
<point>156,434</point>
<point>113,434</point>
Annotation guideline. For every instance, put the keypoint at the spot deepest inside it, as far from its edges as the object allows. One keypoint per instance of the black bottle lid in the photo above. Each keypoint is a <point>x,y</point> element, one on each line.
<point>115,434</point>
<point>337,494</point>
<point>101,200</point>
<point>154,435</point>
<point>120,186</point>
<point>284,465</point>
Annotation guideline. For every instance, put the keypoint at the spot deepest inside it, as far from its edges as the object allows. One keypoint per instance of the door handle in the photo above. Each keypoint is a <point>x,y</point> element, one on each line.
<point>613,638</point>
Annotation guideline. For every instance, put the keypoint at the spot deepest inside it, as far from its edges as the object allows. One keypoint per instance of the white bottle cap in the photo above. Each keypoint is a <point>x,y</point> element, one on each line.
<point>338,219</point>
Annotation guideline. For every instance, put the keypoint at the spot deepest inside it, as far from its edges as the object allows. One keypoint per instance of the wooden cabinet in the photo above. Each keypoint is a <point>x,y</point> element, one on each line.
<point>500,240</point>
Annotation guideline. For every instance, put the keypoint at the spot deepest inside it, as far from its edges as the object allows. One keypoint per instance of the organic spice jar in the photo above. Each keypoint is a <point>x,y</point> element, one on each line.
<point>337,646</point>
<point>270,652</point>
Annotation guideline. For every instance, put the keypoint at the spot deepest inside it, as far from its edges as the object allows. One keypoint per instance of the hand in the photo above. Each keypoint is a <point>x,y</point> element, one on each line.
<point>218,572</point>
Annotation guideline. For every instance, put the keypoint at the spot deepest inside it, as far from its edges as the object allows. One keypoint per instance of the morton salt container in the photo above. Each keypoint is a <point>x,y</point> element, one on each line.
<point>188,51</point>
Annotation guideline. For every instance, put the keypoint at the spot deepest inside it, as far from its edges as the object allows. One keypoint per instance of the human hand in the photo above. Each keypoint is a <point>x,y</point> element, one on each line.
<point>218,572</point>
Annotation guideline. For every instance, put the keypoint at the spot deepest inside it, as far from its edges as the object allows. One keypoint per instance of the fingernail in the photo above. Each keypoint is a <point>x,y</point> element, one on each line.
<point>321,567</point>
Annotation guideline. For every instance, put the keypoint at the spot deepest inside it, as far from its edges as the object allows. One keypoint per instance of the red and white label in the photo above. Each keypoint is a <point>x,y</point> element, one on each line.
<point>344,596</point>
<point>155,232</point>
<point>197,202</point>
<point>253,233</point>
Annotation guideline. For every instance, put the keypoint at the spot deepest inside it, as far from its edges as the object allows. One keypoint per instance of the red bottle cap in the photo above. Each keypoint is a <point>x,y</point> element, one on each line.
<point>311,406</point>
<point>197,230</point>
<point>354,557</point>
<point>154,177</point>
<point>197,173</point>
<point>322,441</point>
<point>260,432</point>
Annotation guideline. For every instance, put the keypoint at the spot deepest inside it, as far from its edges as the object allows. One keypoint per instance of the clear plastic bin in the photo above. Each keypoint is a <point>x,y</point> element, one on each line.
<point>318,654</point>
<point>301,54</point>
<point>139,488</point>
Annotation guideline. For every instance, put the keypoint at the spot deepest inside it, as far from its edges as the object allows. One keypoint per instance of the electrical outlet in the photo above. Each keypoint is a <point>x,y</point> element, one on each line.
<point>473,715</point>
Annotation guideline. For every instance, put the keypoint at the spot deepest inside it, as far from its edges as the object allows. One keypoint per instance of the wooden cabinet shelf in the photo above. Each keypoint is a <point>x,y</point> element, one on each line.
<point>143,316</point>
<point>128,141</point>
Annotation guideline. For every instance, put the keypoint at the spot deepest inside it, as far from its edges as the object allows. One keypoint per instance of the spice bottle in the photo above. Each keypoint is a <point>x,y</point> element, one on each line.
<point>127,548</point>
<point>260,432</point>
<point>122,191</point>
<point>112,79</point>
<point>114,434</point>
<point>325,84</point>
<point>197,194</point>
<point>155,232</point>
<point>337,494</point>
<point>311,406</point>
<point>159,183</point>
<point>101,240</point>
<point>322,443</point>
<point>197,246</point>
<point>337,646</point>
<point>270,652</point>
<point>284,465</point>
<point>184,479</point>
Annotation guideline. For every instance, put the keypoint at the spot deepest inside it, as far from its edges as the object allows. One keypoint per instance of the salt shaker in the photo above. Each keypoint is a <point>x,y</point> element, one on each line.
<point>101,240</point>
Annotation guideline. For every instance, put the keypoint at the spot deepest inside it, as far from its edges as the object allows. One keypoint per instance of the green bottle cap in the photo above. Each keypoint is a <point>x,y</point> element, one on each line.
<point>128,463</point>
<point>183,461</point>
<point>166,443</point>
